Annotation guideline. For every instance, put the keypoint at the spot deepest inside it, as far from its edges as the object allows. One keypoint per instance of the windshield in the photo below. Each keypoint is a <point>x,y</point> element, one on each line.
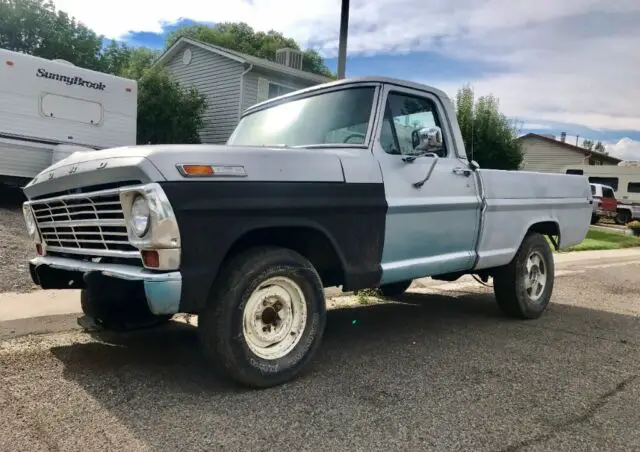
<point>337,117</point>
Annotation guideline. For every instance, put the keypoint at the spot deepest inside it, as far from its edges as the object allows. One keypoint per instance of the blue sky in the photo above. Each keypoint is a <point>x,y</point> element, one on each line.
<point>567,66</point>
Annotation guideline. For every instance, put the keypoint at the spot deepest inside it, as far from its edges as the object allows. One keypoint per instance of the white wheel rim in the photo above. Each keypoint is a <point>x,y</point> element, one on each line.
<point>274,318</point>
<point>535,278</point>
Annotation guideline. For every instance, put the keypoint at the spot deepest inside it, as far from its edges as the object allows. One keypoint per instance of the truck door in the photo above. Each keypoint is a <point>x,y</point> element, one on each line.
<point>430,228</point>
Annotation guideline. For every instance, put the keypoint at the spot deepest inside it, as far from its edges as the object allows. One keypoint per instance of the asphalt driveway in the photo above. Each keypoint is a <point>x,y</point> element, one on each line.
<point>438,372</point>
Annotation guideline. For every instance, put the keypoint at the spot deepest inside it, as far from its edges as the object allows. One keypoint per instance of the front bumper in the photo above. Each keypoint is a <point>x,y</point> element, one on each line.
<point>162,289</point>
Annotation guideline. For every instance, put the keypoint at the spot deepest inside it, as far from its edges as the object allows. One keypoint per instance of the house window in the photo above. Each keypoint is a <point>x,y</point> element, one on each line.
<point>633,187</point>
<point>610,181</point>
<point>276,90</point>
<point>268,89</point>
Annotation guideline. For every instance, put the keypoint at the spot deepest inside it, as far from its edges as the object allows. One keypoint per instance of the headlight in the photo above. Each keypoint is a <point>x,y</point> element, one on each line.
<point>140,216</point>
<point>29,221</point>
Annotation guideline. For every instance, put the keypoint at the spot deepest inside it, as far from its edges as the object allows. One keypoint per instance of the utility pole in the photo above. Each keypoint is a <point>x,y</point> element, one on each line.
<point>577,136</point>
<point>344,30</point>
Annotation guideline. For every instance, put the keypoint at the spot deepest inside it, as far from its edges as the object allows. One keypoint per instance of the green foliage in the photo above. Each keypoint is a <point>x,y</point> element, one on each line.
<point>599,147</point>
<point>242,38</point>
<point>486,131</point>
<point>167,113</point>
<point>590,145</point>
<point>36,28</point>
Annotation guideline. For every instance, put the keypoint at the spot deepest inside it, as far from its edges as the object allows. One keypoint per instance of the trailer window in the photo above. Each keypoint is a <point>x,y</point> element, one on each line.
<point>575,171</point>
<point>633,187</point>
<point>71,109</point>
<point>610,181</point>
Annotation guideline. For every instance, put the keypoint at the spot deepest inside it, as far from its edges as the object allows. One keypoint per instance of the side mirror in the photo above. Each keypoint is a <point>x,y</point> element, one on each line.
<point>473,165</point>
<point>427,139</point>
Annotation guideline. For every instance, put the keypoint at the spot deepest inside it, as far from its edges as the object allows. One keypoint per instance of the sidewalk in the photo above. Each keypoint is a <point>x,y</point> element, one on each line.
<point>47,303</point>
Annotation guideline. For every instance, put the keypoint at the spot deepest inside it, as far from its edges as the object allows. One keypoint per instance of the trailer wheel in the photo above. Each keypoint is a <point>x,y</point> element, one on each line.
<point>118,314</point>
<point>523,287</point>
<point>265,317</point>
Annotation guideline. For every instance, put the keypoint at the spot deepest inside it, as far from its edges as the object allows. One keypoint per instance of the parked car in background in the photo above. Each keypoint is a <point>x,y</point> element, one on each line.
<point>605,203</point>
<point>623,179</point>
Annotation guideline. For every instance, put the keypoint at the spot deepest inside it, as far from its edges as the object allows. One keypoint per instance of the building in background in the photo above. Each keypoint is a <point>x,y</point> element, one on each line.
<point>546,154</point>
<point>233,81</point>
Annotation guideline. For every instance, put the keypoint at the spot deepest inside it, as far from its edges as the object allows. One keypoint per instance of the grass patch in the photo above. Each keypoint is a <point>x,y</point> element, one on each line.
<point>603,240</point>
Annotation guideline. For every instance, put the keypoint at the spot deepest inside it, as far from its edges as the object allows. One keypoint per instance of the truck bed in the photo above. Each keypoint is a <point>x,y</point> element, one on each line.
<point>515,200</point>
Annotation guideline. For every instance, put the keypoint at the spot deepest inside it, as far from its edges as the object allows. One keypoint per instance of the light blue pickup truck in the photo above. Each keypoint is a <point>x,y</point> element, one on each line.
<point>359,183</point>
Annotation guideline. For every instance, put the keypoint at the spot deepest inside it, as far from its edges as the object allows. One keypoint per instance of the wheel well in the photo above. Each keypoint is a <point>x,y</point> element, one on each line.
<point>309,242</point>
<point>549,228</point>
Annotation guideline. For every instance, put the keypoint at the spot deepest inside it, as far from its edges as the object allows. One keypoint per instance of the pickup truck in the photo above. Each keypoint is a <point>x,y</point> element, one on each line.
<point>359,183</point>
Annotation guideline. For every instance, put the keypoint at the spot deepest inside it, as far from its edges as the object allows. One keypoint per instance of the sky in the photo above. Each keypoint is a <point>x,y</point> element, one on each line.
<point>557,66</point>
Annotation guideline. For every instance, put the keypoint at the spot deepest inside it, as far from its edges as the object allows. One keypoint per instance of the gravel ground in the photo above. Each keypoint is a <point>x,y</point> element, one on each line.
<point>437,372</point>
<point>15,246</point>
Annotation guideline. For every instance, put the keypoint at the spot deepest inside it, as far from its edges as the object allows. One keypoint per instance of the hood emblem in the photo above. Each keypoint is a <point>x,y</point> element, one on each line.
<point>73,169</point>
<point>102,165</point>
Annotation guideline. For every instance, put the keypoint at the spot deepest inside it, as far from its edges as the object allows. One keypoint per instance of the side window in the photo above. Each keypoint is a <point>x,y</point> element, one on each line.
<point>405,113</point>
<point>633,187</point>
<point>593,189</point>
<point>607,193</point>
<point>610,181</point>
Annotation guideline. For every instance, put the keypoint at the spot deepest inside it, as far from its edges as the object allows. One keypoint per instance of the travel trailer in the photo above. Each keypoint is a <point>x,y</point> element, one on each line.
<point>625,181</point>
<point>50,109</point>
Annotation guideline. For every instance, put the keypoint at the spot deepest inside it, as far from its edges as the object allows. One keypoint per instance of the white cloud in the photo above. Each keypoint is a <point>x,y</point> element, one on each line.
<point>625,149</point>
<point>535,126</point>
<point>568,61</point>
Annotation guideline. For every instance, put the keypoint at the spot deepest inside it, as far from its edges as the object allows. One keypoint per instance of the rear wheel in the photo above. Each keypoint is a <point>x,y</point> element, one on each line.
<point>623,217</point>
<point>523,287</point>
<point>265,317</point>
<point>594,219</point>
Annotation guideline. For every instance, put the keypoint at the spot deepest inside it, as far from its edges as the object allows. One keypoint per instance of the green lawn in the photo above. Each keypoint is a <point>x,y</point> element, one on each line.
<point>603,240</point>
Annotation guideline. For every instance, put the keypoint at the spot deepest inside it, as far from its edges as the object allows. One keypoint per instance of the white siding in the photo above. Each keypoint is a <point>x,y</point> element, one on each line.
<point>547,157</point>
<point>218,78</point>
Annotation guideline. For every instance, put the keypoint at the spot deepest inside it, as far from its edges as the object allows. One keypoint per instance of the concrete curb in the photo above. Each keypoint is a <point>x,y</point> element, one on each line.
<point>38,304</point>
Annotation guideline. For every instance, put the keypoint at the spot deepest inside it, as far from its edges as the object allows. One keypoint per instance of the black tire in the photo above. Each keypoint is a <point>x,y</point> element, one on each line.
<point>509,281</point>
<point>395,289</point>
<point>594,219</point>
<point>623,217</point>
<point>119,314</point>
<point>220,323</point>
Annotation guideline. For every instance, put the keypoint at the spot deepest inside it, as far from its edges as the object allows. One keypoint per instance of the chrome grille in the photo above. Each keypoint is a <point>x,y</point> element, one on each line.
<point>90,224</point>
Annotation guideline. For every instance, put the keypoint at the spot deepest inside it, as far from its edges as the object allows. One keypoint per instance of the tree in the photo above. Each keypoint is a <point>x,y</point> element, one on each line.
<point>36,28</point>
<point>599,147</point>
<point>588,145</point>
<point>241,37</point>
<point>489,137</point>
<point>167,113</point>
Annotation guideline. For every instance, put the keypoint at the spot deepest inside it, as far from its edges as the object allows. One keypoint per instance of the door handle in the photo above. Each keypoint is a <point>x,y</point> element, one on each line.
<point>462,172</point>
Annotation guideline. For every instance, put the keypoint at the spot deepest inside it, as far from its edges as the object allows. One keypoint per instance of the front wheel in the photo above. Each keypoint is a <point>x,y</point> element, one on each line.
<point>523,287</point>
<point>265,317</point>
<point>594,219</point>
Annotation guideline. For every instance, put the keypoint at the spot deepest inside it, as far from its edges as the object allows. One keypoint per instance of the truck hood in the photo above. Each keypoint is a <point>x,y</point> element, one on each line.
<point>155,163</point>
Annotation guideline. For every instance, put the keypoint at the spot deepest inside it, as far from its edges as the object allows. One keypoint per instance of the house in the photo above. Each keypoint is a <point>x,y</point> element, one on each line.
<point>233,81</point>
<point>546,154</point>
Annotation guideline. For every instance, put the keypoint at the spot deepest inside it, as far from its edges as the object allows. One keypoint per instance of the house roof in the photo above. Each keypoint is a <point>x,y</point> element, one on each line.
<point>571,147</point>
<point>241,58</point>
